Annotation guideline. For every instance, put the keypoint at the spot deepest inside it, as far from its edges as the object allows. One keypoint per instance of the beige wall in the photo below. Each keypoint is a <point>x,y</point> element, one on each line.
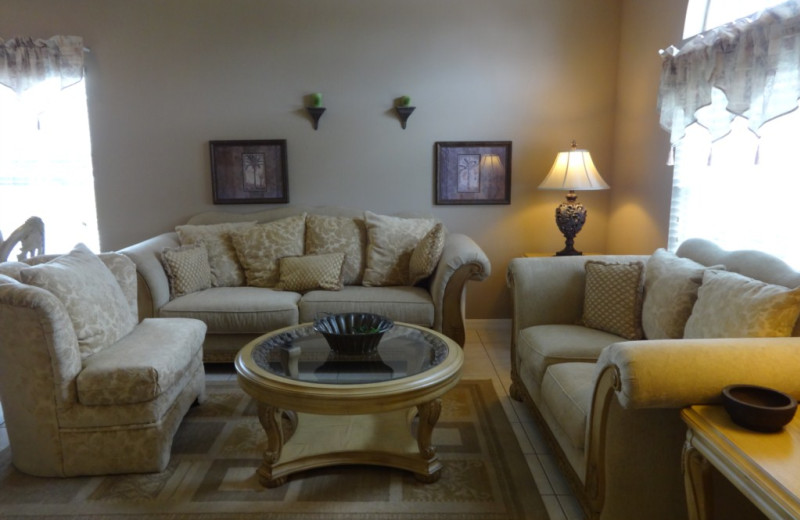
<point>167,76</point>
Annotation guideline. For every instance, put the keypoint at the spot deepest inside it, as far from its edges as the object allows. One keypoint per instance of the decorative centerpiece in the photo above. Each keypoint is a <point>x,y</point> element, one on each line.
<point>353,333</point>
<point>758,408</point>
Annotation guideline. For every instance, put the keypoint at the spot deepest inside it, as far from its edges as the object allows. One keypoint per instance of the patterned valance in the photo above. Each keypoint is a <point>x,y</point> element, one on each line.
<point>748,68</point>
<point>25,62</point>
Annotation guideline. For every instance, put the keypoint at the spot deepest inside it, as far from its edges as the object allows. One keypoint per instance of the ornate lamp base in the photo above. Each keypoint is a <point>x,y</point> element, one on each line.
<point>570,217</point>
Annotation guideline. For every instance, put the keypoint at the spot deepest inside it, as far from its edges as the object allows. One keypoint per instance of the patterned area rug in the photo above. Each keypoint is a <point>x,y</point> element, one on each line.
<point>218,448</point>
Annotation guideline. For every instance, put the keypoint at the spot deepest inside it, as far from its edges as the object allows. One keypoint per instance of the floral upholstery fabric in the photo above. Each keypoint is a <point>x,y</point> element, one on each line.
<point>670,290</point>
<point>333,234</point>
<point>730,305</point>
<point>222,259</point>
<point>426,255</point>
<point>94,300</point>
<point>391,242</point>
<point>187,269</point>
<point>260,247</point>
<point>303,273</point>
<point>613,298</point>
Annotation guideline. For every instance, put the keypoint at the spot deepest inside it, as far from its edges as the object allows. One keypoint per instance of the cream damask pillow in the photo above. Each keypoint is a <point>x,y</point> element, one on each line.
<point>260,247</point>
<point>670,291</point>
<point>390,244</point>
<point>96,305</point>
<point>187,269</point>
<point>613,298</point>
<point>730,305</point>
<point>329,234</point>
<point>304,273</point>
<point>218,239</point>
<point>427,254</point>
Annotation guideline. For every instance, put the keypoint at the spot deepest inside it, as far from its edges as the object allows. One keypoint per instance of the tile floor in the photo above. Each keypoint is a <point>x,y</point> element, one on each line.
<point>486,357</point>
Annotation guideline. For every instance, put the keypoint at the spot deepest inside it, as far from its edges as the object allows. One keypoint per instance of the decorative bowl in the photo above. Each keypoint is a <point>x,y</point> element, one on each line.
<point>353,333</point>
<point>758,408</point>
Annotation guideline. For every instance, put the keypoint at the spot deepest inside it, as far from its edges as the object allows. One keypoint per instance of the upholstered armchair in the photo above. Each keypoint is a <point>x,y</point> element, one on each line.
<point>85,388</point>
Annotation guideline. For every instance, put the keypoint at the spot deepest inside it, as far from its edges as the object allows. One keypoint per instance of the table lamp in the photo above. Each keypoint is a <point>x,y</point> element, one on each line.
<point>573,171</point>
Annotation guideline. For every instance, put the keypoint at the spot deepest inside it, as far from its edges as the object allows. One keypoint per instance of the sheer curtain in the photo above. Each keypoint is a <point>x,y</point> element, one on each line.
<point>728,97</point>
<point>45,150</point>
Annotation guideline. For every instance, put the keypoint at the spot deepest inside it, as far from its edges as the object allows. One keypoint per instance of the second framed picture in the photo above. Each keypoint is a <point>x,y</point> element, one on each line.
<point>473,172</point>
<point>249,172</point>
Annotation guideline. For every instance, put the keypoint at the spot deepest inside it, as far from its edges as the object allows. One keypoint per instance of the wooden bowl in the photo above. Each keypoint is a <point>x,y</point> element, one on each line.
<point>758,408</point>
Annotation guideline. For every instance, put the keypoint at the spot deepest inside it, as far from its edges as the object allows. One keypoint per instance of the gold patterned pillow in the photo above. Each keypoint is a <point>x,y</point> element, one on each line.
<point>730,305</point>
<point>187,269</point>
<point>329,234</point>
<point>93,298</point>
<point>427,254</point>
<point>390,244</point>
<point>225,268</point>
<point>304,273</point>
<point>613,298</point>
<point>260,247</point>
<point>670,290</point>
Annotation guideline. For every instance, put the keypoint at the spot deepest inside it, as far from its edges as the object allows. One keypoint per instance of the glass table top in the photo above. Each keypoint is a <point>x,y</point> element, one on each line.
<point>302,354</point>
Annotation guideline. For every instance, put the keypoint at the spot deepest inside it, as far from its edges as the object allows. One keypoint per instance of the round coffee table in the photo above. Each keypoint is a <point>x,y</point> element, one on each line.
<point>319,408</point>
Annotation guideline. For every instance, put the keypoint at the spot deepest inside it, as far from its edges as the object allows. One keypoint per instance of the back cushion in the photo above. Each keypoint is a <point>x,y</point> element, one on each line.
<point>391,242</point>
<point>330,234</point>
<point>96,305</point>
<point>218,239</point>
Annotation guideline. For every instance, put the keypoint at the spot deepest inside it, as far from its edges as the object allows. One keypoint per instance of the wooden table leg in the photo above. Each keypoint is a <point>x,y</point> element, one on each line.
<point>270,419</point>
<point>428,416</point>
<point>697,481</point>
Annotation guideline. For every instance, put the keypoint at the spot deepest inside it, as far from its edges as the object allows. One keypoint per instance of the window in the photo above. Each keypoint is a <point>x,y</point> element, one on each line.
<point>45,163</point>
<point>702,15</point>
<point>734,135</point>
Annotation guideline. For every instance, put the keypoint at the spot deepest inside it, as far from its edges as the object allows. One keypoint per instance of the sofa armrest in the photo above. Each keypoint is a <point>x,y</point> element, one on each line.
<point>683,372</point>
<point>153,286</point>
<point>462,260</point>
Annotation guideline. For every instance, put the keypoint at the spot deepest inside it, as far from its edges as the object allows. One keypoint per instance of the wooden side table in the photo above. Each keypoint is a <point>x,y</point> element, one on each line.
<point>765,467</point>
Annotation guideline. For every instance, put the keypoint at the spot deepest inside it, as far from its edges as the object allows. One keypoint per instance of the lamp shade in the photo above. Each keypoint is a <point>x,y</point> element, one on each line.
<point>573,170</point>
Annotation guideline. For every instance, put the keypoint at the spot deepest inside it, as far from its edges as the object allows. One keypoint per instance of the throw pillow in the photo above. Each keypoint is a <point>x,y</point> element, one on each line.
<point>187,269</point>
<point>329,234</point>
<point>730,305</point>
<point>613,298</point>
<point>260,247</point>
<point>670,290</point>
<point>96,305</point>
<point>218,239</point>
<point>427,254</point>
<point>390,244</point>
<point>303,273</point>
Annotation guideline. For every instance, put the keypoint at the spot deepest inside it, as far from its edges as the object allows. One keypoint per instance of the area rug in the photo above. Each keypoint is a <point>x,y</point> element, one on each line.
<point>218,448</point>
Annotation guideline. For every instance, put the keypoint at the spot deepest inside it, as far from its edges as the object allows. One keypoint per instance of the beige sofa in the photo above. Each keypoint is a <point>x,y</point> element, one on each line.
<point>86,389</point>
<point>609,406</point>
<point>239,310</point>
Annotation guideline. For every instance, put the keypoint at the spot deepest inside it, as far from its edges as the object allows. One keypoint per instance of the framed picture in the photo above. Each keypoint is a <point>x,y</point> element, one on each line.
<point>249,172</point>
<point>473,172</point>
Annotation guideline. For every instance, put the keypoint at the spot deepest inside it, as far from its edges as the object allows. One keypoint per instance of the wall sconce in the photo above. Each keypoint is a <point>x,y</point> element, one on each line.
<point>403,109</point>
<point>316,109</point>
<point>573,171</point>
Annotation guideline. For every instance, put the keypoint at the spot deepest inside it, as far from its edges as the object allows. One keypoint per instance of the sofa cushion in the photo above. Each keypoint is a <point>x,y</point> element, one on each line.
<point>222,259</point>
<point>426,255</point>
<point>334,234</point>
<point>567,392</point>
<point>236,309</point>
<point>303,273</point>
<point>260,247</point>
<point>400,303</point>
<point>613,298</point>
<point>187,269</point>
<point>541,346</point>
<point>390,244</point>
<point>730,305</point>
<point>142,365</point>
<point>96,305</point>
<point>670,290</point>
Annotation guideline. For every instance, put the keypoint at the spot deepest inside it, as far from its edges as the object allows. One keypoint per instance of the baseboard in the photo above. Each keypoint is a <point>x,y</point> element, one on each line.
<point>488,324</point>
